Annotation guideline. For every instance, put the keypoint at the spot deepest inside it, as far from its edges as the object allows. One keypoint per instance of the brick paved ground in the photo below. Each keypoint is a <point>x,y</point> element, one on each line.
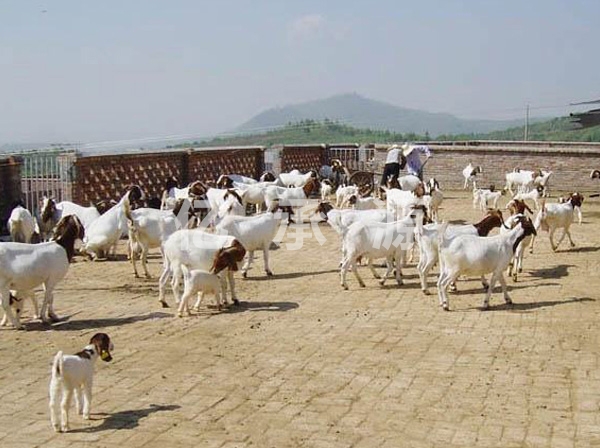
<point>304,363</point>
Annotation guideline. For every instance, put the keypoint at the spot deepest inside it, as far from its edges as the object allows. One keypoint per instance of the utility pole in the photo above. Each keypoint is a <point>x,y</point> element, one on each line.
<point>527,123</point>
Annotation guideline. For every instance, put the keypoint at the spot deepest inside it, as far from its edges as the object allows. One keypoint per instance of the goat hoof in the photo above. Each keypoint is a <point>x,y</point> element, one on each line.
<point>269,273</point>
<point>164,304</point>
<point>236,302</point>
<point>445,307</point>
<point>345,287</point>
<point>244,275</point>
<point>53,318</point>
<point>452,288</point>
<point>381,282</point>
<point>425,291</point>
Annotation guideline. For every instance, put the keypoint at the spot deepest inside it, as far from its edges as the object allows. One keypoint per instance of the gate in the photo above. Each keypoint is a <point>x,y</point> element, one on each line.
<point>46,172</point>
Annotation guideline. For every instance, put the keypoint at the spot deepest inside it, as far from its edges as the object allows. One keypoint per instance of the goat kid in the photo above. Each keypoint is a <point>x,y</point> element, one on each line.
<point>470,174</point>
<point>73,375</point>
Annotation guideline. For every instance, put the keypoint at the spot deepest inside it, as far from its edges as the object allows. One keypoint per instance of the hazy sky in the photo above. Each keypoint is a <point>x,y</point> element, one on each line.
<point>116,69</point>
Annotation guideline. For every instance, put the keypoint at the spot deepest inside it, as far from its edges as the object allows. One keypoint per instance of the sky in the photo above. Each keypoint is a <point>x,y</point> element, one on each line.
<point>95,71</point>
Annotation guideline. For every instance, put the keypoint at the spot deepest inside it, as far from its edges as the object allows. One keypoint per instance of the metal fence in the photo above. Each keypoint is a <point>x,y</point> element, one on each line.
<point>48,173</point>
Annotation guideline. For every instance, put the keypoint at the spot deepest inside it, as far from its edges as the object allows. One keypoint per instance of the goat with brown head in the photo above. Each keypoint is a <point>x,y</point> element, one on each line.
<point>228,258</point>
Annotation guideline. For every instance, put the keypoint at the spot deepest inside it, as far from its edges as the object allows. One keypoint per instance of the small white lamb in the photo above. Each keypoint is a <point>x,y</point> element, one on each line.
<point>73,375</point>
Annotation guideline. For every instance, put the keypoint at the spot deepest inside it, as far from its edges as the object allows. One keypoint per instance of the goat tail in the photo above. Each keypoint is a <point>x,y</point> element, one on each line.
<point>57,365</point>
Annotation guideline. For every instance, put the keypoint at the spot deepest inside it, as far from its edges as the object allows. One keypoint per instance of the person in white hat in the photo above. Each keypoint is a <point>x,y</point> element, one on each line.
<point>394,162</point>
<point>412,153</point>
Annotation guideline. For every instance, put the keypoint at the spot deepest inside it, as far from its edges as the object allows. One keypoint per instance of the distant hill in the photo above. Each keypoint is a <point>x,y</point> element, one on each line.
<point>327,131</point>
<point>361,112</point>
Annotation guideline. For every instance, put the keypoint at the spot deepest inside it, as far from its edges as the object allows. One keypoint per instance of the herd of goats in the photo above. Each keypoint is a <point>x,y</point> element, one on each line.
<point>204,233</point>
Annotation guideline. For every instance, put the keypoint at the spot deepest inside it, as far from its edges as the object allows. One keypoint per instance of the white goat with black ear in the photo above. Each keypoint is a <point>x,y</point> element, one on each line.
<point>21,225</point>
<point>470,174</point>
<point>472,255</point>
<point>73,375</point>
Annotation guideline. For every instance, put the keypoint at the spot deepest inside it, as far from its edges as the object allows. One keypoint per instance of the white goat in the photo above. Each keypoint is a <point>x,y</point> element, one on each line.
<point>534,195</point>
<point>148,228</point>
<point>294,197</point>
<point>196,249</point>
<point>23,267</point>
<point>400,202</point>
<point>326,189</point>
<point>487,198</point>
<point>358,203</point>
<point>343,193</point>
<point>378,240</point>
<point>104,232</point>
<point>197,281</point>
<point>543,180</point>
<point>427,238</point>
<point>21,225</point>
<point>433,198</point>
<point>516,262</point>
<point>73,375</point>
<point>556,216</point>
<point>472,255</point>
<point>410,182</point>
<point>295,179</point>
<point>51,213</point>
<point>522,179</point>
<point>254,232</point>
<point>470,174</point>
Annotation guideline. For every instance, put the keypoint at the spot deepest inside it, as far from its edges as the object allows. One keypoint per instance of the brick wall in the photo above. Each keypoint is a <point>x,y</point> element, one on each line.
<point>10,187</point>
<point>107,176</point>
<point>303,158</point>
<point>571,165</point>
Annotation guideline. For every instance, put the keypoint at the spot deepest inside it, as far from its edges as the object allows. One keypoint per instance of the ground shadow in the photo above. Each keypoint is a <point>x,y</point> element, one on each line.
<point>524,307</point>
<point>66,324</point>
<point>457,221</point>
<point>290,275</point>
<point>584,249</point>
<point>244,306</point>
<point>498,288</point>
<point>562,270</point>
<point>126,419</point>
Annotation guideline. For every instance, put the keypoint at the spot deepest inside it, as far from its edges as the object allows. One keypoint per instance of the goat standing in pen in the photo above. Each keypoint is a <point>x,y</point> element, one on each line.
<point>472,255</point>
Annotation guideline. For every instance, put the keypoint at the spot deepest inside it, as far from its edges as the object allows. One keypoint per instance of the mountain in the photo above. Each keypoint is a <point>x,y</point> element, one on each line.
<point>361,112</point>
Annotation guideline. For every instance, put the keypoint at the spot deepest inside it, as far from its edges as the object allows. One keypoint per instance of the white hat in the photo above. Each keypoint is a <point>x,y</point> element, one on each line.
<point>407,149</point>
<point>392,147</point>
